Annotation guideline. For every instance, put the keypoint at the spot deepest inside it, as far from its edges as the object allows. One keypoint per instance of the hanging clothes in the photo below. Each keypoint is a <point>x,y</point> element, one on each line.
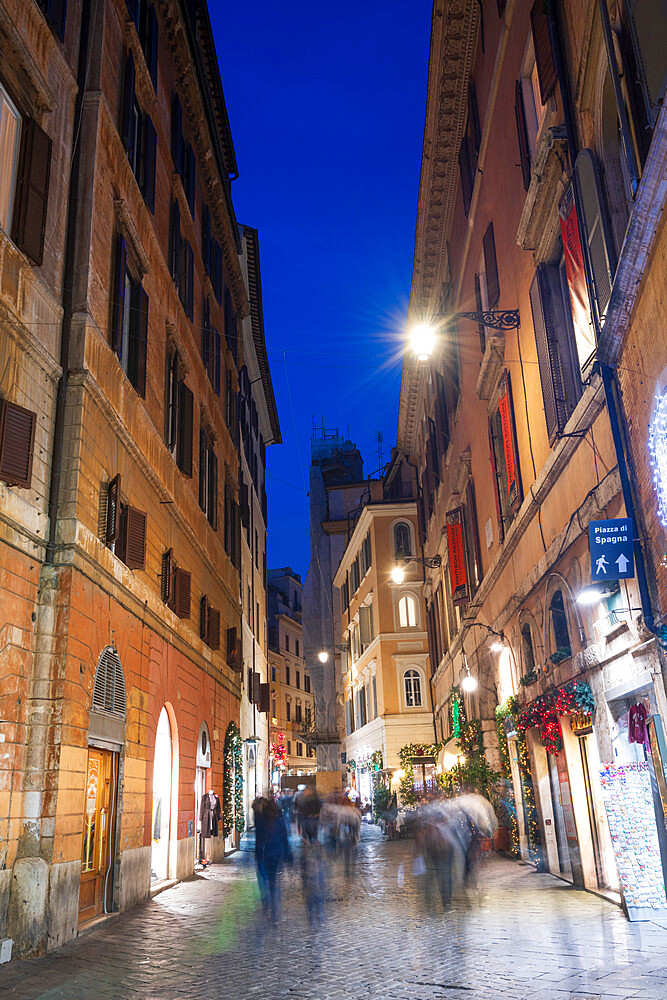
<point>637,732</point>
<point>210,814</point>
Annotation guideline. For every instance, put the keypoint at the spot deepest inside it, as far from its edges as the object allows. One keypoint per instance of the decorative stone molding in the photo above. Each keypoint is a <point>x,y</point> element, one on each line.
<point>538,225</point>
<point>588,657</point>
<point>174,342</point>
<point>143,83</point>
<point>491,366</point>
<point>131,234</point>
<point>462,472</point>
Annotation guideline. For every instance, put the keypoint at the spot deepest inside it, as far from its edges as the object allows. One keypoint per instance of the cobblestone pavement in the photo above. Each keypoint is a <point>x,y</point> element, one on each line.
<point>520,935</point>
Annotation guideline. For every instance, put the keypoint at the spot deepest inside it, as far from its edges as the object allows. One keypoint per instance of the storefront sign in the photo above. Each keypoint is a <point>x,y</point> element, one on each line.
<point>576,279</point>
<point>457,556</point>
<point>505,410</point>
<point>612,549</point>
<point>626,790</point>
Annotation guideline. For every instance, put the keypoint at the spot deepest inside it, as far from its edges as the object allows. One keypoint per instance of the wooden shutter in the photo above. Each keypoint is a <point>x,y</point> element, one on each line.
<point>55,12</point>
<point>206,239</point>
<point>365,631</point>
<point>546,71</point>
<point>17,439</point>
<point>600,252</point>
<point>118,303</point>
<point>203,618</point>
<point>514,490</point>
<point>148,170</point>
<point>113,511</point>
<point>203,447</point>
<point>491,267</point>
<point>135,538</point>
<point>189,172</point>
<point>182,584</point>
<point>184,446</point>
<point>190,281</point>
<point>217,271</point>
<point>166,577</point>
<point>481,329</point>
<point>556,360</point>
<point>264,698</point>
<point>216,361</point>
<point>142,341</point>
<point>496,484</point>
<point>175,243</point>
<point>127,121</point>
<point>133,9</point>
<point>256,681</point>
<point>32,191</point>
<point>465,172</point>
<point>474,130</point>
<point>213,489</point>
<point>213,628</point>
<point>473,550</point>
<point>233,657</point>
<point>151,44</point>
<point>648,30</point>
<point>177,135</point>
<point>522,134</point>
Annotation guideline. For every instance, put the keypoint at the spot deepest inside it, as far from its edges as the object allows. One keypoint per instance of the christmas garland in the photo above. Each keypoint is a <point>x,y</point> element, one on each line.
<point>575,696</point>
<point>508,807</point>
<point>371,761</point>
<point>405,755</point>
<point>232,782</point>
<point>511,707</point>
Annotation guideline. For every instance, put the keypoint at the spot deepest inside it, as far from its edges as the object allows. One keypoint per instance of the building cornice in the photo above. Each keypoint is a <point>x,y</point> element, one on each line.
<point>407,508</point>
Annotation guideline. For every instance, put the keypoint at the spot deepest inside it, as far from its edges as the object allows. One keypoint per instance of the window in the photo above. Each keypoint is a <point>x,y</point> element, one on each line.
<point>289,748</point>
<point>273,705</point>
<point>178,416</point>
<point>138,135</point>
<point>55,12</point>
<point>545,69</point>
<point>407,611</point>
<point>145,21</point>
<point>561,634</point>
<point>296,642</point>
<point>349,720</point>
<point>360,707</point>
<point>354,642</point>
<point>504,457</point>
<point>402,540</point>
<point>273,677</point>
<point>298,679</point>
<point>209,624</point>
<point>354,575</point>
<point>210,347</point>
<point>287,676</point>
<point>374,695</point>
<point>298,716</point>
<point>288,710</point>
<point>527,649</point>
<point>17,441</point>
<point>125,531</point>
<point>232,527</point>
<point>231,334</point>
<point>471,535</point>
<point>469,151</point>
<point>365,553</point>
<point>412,687</point>
<point>24,184</point>
<point>310,752</point>
<point>175,586</point>
<point>181,262</point>
<point>365,625</point>
<point>208,477</point>
<point>345,595</point>
<point>287,642</point>
<point>182,154</point>
<point>299,749</point>
<point>129,319</point>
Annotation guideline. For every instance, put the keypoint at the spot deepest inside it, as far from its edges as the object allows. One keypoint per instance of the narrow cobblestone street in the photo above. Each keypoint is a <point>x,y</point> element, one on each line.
<point>523,935</point>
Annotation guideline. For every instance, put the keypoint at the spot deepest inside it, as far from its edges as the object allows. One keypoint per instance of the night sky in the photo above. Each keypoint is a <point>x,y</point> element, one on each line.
<point>326,105</point>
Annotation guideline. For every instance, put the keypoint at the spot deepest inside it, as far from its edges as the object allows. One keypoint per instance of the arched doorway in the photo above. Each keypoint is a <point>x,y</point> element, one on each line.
<point>162,798</point>
<point>202,784</point>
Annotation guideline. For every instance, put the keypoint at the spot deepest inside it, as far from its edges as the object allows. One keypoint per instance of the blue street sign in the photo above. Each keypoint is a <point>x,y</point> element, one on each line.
<point>612,549</point>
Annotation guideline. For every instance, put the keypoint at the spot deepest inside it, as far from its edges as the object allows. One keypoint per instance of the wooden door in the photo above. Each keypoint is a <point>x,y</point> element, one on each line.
<point>97,829</point>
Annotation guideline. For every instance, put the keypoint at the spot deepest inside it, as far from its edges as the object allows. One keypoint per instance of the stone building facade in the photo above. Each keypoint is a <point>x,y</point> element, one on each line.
<point>541,194</point>
<point>123,303</point>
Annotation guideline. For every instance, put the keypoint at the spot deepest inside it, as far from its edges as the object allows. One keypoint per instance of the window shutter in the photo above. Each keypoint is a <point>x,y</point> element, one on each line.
<point>148,179</point>
<point>481,330</point>
<point>465,172</point>
<point>233,657</point>
<point>113,511</point>
<point>264,696</point>
<point>441,417</point>
<point>491,267</point>
<point>190,281</point>
<point>175,243</point>
<point>182,584</point>
<point>546,71</point>
<point>256,681</point>
<point>648,29</point>
<point>166,577</point>
<point>496,485</point>
<point>474,129</point>
<point>32,191</point>
<point>365,633</point>
<point>151,44</point>
<point>184,445</point>
<point>17,438</point>
<point>55,12</point>
<point>177,135</point>
<point>473,550</point>
<point>205,332</point>
<point>121,542</point>
<point>118,304</point>
<point>556,360</point>
<point>216,365</point>
<point>135,538</point>
<point>213,489</point>
<point>522,134</point>
<point>133,10</point>
<point>142,342</point>
<point>189,171</point>
<point>217,271</point>
<point>206,239</point>
<point>597,230</point>
<point>214,628</point>
<point>203,618</point>
<point>127,122</point>
<point>203,446</point>
<point>506,407</point>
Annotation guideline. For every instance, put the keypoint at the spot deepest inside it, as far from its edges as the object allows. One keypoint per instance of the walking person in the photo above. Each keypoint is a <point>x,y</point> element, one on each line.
<point>272,850</point>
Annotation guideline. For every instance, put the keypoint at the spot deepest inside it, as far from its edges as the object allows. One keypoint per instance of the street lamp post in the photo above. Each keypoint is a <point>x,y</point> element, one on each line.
<point>398,571</point>
<point>423,335</point>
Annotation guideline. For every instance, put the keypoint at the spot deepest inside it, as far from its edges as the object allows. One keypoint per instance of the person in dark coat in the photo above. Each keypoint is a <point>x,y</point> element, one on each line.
<point>272,850</point>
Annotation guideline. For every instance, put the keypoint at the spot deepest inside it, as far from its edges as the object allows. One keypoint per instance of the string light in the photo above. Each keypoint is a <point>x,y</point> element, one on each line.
<point>543,713</point>
<point>657,447</point>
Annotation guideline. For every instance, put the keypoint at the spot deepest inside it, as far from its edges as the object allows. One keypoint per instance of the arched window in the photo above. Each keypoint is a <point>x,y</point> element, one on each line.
<point>527,649</point>
<point>109,688</point>
<point>402,540</point>
<point>559,623</point>
<point>413,688</point>
<point>407,611</point>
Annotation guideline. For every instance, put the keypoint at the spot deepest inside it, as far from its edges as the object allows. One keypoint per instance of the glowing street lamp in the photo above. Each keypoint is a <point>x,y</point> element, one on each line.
<point>398,574</point>
<point>323,656</point>
<point>423,336</point>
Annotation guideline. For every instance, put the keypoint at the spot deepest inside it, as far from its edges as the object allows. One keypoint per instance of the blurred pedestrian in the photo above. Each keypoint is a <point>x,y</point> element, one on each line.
<point>272,850</point>
<point>308,807</point>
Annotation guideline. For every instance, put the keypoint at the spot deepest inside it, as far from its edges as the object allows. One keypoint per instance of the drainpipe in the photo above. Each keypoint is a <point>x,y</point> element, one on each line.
<point>68,289</point>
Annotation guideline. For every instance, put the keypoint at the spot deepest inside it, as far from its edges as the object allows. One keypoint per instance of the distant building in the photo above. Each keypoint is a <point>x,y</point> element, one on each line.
<point>383,639</point>
<point>291,714</point>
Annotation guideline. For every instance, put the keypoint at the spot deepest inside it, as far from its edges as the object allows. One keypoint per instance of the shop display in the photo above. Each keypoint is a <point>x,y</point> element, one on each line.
<point>626,791</point>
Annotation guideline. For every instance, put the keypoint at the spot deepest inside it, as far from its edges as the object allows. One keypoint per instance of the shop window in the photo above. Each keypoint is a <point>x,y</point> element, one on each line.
<point>527,649</point>
<point>25,167</point>
<point>412,688</point>
<point>561,634</point>
<point>407,611</point>
<point>208,478</point>
<point>17,442</point>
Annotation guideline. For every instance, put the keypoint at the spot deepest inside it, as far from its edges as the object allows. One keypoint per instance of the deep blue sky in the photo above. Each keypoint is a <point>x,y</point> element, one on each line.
<point>326,105</point>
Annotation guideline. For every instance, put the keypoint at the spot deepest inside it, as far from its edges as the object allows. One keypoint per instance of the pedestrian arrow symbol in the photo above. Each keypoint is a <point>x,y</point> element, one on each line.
<point>612,549</point>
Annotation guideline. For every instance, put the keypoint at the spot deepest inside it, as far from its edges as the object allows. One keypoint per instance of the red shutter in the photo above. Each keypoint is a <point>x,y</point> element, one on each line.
<point>203,618</point>
<point>491,267</point>
<point>135,538</point>
<point>32,192</point>
<point>182,585</point>
<point>457,555</point>
<point>522,134</point>
<point>506,408</point>
<point>214,628</point>
<point>166,577</point>
<point>142,342</point>
<point>113,511</point>
<point>546,71</point>
<point>17,439</point>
